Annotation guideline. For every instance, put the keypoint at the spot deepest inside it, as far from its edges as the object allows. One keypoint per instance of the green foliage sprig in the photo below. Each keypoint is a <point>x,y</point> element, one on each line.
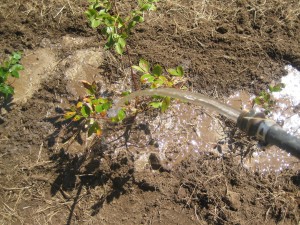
<point>155,77</point>
<point>103,13</point>
<point>265,100</point>
<point>92,110</point>
<point>9,68</point>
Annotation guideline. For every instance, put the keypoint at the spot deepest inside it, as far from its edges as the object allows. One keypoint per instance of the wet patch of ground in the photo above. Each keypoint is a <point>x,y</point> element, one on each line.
<point>224,47</point>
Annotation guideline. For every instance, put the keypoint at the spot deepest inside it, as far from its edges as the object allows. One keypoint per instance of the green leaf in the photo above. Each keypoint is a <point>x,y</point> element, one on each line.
<point>15,74</point>
<point>99,108</point>
<point>119,49</point>
<point>3,74</point>
<point>121,115</point>
<point>94,129</point>
<point>138,68</point>
<point>277,87</point>
<point>6,90</point>
<point>149,7</point>
<point>165,104</point>
<point>77,118</point>
<point>257,101</point>
<point>125,93</point>
<point>106,106</point>
<point>131,25</point>
<point>172,72</point>
<point>110,42</point>
<point>138,18</point>
<point>17,55</point>
<point>158,83</point>
<point>163,79</point>
<point>16,67</point>
<point>85,111</point>
<point>99,101</point>
<point>155,105</point>
<point>147,78</point>
<point>69,115</point>
<point>122,42</point>
<point>176,72</point>
<point>179,70</point>
<point>102,107</point>
<point>90,87</point>
<point>90,12</point>
<point>95,23</point>
<point>157,70</point>
<point>144,65</point>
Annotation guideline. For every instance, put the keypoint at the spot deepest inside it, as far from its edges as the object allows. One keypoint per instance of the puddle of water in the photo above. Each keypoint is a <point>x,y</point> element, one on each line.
<point>178,134</point>
<point>286,112</point>
<point>37,65</point>
<point>240,100</point>
<point>186,131</point>
<point>291,91</point>
<point>183,131</point>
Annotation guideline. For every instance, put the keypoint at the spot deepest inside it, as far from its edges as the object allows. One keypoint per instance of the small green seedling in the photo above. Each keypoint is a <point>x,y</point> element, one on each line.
<point>155,77</point>
<point>92,110</point>
<point>104,14</point>
<point>265,100</point>
<point>9,68</point>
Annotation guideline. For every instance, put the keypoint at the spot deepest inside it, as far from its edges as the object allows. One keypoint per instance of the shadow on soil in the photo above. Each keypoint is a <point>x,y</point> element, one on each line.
<point>77,172</point>
<point>94,167</point>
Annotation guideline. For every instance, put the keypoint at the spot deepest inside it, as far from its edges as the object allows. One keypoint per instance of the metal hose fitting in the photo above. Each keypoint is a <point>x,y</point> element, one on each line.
<point>256,124</point>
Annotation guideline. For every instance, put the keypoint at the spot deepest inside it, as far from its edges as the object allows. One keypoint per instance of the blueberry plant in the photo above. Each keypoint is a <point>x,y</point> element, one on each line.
<point>104,16</point>
<point>9,68</point>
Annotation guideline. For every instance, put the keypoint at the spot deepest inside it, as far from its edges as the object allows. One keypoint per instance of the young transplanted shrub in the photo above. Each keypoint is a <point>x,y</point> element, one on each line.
<point>9,68</point>
<point>104,14</point>
<point>92,110</point>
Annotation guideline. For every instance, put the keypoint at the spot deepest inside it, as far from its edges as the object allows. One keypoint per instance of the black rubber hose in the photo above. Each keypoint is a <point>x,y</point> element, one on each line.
<point>277,136</point>
<point>255,124</point>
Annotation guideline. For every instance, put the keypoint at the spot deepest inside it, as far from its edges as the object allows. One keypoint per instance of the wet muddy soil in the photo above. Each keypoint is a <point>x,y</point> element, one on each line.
<point>155,168</point>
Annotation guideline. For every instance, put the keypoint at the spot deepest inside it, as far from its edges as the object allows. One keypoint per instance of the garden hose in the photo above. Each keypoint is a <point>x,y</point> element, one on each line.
<point>268,131</point>
<point>254,124</point>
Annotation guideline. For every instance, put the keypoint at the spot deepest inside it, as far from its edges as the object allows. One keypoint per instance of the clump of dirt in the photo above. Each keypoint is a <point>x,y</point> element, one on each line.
<point>223,46</point>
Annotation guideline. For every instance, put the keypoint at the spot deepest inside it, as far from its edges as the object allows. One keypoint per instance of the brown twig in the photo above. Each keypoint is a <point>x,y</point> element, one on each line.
<point>134,81</point>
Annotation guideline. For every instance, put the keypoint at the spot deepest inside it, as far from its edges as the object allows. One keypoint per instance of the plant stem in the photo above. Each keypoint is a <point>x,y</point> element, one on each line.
<point>133,77</point>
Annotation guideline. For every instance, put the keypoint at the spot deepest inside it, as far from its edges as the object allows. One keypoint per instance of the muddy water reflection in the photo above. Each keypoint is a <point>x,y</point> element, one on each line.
<point>186,132</point>
<point>286,113</point>
<point>191,131</point>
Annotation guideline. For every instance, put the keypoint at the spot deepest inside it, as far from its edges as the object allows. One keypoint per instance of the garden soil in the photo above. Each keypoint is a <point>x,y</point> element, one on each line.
<point>224,47</point>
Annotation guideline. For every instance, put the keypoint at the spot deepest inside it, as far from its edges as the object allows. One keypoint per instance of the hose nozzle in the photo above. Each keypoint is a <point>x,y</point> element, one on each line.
<point>256,124</point>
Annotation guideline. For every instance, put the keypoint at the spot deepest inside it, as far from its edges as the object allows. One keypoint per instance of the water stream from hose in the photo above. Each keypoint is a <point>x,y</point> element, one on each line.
<point>186,96</point>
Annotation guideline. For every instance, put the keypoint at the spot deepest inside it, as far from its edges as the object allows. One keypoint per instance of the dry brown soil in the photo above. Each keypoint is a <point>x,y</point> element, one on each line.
<point>224,46</point>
